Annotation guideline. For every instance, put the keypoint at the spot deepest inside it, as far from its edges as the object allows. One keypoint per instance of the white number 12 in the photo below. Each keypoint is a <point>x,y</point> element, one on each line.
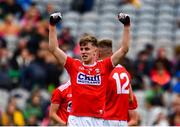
<point>118,77</point>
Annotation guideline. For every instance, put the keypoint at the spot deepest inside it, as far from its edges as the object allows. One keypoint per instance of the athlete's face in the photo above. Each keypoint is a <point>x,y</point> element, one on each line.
<point>88,53</point>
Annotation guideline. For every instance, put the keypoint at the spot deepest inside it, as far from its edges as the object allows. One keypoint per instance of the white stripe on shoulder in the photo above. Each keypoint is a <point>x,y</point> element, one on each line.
<point>64,86</point>
<point>119,65</point>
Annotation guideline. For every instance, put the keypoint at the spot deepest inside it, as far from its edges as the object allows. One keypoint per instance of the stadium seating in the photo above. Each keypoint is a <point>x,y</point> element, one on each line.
<point>4,101</point>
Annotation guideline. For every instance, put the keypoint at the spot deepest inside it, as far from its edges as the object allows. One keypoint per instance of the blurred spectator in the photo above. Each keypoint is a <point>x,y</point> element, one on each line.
<point>25,4</point>
<point>162,57</point>
<point>46,120</point>
<point>158,116</point>
<point>137,81</point>
<point>5,80</point>
<point>142,64</point>
<point>160,75</point>
<point>12,116</point>
<point>33,72</point>
<point>3,43</point>
<point>9,26</point>
<point>135,3</point>
<point>11,7</point>
<point>31,15</point>
<point>40,33</point>
<point>155,106</point>
<point>176,88</point>
<point>33,111</point>
<point>27,31</point>
<point>161,118</point>
<point>176,59</point>
<point>154,96</point>
<point>67,39</point>
<point>174,114</point>
<point>53,70</point>
<point>149,49</point>
<point>17,61</point>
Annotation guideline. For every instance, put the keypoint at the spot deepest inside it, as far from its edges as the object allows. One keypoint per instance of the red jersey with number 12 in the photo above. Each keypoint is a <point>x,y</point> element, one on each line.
<point>88,86</point>
<point>117,94</point>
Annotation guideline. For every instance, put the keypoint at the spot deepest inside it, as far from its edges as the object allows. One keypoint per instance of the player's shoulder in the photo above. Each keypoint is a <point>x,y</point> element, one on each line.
<point>120,66</point>
<point>77,60</point>
<point>64,86</point>
<point>71,59</point>
<point>103,60</point>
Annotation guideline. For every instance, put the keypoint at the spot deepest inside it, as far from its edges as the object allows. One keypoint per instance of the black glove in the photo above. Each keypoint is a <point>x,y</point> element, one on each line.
<point>124,19</point>
<point>55,18</point>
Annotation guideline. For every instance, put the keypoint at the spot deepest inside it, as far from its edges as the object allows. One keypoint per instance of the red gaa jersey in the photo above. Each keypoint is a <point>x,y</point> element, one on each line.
<point>62,96</point>
<point>88,86</point>
<point>117,94</point>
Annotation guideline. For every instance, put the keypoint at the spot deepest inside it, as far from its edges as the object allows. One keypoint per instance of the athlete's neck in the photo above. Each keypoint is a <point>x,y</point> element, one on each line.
<point>89,64</point>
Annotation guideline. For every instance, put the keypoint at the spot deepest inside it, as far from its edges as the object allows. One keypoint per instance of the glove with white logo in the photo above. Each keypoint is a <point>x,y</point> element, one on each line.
<point>124,19</point>
<point>55,18</point>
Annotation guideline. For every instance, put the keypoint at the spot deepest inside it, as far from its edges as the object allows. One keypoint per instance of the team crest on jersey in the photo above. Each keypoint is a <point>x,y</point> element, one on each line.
<point>88,79</point>
<point>97,70</point>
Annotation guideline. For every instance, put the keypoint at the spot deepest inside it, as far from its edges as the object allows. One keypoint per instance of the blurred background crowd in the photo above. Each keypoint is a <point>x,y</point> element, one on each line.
<point>29,73</point>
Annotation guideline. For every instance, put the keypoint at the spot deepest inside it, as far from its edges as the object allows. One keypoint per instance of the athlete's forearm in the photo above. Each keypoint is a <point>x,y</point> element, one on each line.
<point>53,42</point>
<point>126,39</point>
<point>133,118</point>
<point>53,46</point>
<point>121,52</point>
<point>132,122</point>
<point>57,119</point>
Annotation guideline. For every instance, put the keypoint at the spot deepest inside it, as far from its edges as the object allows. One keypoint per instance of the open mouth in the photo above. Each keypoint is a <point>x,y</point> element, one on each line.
<point>84,56</point>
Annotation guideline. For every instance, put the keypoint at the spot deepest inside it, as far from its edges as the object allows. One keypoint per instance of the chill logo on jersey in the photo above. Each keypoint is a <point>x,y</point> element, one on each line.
<point>88,79</point>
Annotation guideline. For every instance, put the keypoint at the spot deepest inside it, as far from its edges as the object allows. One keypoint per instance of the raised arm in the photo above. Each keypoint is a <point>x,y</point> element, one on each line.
<point>121,52</point>
<point>53,42</point>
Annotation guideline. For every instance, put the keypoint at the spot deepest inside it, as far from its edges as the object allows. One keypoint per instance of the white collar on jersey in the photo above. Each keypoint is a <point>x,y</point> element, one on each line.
<point>90,65</point>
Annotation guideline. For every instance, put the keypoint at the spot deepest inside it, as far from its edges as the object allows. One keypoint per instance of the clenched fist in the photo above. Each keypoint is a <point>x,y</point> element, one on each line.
<point>124,19</point>
<point>55,18</point>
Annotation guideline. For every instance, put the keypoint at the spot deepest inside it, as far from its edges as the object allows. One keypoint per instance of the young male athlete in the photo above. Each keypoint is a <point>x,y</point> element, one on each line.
<point>88,76</point>
<point>120,100</point>
<point>61,102</point>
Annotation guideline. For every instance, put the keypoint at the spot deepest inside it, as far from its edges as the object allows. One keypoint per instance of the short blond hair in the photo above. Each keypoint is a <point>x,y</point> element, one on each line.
<point>87,38</point>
